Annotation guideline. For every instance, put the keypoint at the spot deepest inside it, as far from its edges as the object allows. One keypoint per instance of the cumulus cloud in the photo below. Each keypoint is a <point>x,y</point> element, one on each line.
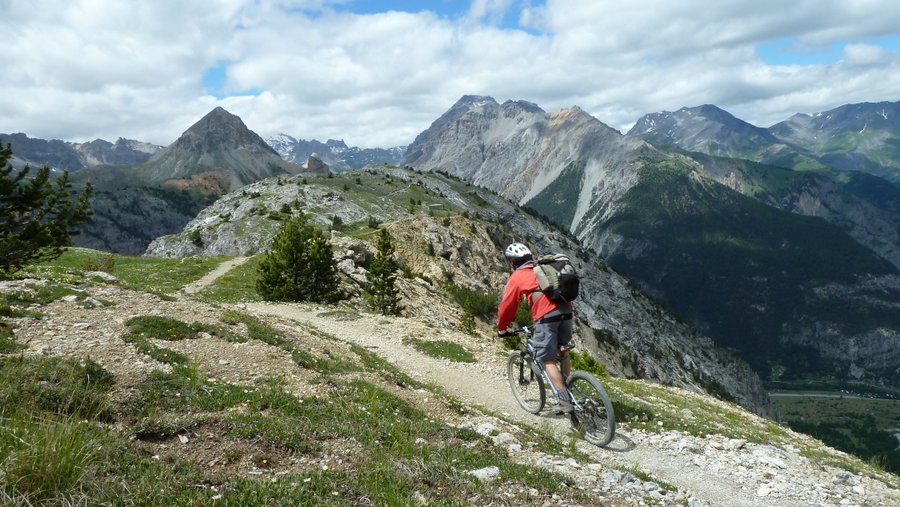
<point>85,69</point>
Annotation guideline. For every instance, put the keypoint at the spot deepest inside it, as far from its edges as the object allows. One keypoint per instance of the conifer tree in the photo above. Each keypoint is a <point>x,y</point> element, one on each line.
<point>299,266</point>
<point>380,290</point>
<point>38,216</point>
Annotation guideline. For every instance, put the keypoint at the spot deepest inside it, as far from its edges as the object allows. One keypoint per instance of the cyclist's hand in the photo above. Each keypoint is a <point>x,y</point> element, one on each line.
<point>504,333</point>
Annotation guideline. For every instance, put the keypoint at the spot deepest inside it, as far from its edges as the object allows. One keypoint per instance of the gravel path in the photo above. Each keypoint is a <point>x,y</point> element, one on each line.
<point>716,471</point>
<point>211,277</point>
<point>710,471</point>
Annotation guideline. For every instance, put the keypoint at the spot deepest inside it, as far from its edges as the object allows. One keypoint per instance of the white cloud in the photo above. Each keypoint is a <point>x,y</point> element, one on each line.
<point>864,54</point>
<point>84,69</point>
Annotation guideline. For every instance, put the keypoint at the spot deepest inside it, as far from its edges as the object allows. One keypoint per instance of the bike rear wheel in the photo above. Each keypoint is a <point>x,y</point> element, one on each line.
<point>593,416</point>
<point>526,384</point>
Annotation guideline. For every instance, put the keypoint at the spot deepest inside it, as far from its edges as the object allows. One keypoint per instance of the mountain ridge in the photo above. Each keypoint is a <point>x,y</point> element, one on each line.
<point>852,137</point>
<point>335,153</point>
<point>68,156</point>
<point>520,154</point>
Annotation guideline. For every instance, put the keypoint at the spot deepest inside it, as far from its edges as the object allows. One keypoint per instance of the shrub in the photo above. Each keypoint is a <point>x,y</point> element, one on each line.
<point>480,305</point>
<point>299,266</point>
<point>105,263</point>
<point>380,291</point>
<point>195,237</point>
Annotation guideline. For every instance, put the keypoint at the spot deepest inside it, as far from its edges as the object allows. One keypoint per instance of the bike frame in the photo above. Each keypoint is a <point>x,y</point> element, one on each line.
<point>593,415</point>
<point>529,349</point>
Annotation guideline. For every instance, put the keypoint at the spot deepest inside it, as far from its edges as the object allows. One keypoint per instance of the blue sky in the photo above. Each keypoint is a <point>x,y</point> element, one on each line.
<point>789,51</point>
<point>376,73</point>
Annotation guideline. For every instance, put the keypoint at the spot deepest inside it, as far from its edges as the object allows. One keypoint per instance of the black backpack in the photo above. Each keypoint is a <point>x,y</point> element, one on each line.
<point>557,278</point>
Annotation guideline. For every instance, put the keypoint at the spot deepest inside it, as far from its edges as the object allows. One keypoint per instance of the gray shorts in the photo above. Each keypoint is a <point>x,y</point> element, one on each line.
<point>548,337</point>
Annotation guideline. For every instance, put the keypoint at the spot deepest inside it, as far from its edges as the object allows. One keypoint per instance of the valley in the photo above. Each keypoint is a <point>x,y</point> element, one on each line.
<point>864,425</point>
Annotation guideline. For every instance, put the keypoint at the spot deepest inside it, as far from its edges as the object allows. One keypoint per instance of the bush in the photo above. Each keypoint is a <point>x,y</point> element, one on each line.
<point>105,263</point>
<point>299,266</point>
<point>480,305</point>
<point>380,291</point>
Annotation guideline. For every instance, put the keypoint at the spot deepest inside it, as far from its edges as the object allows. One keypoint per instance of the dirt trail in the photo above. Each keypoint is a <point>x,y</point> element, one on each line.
<point>213,275</point>
<point>712,472</point>
<point>484,384</point>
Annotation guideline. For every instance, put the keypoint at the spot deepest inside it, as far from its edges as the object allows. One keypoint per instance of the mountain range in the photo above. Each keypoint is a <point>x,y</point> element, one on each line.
<point>797,295</point>
<point>795,267</point>
<point>854,137</point>
<point>335,153</point>
<point>63,155</point>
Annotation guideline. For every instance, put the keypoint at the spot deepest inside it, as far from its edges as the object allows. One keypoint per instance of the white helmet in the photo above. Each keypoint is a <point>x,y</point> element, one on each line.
<point>517,251</point>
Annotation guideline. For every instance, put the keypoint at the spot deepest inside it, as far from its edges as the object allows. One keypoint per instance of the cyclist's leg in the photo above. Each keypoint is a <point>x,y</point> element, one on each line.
<point>546,349</point>
<point>556,376</point>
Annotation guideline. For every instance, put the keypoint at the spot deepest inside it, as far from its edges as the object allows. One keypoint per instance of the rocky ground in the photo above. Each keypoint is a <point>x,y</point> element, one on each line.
<point>708,471</point>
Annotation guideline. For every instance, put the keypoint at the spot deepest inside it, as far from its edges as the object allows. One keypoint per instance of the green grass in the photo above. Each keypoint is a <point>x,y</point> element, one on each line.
<point>45,458</point>
<point>397,451</point>
<point>13,304</point>
<point>148,274</point>
<point>68,387</point>
<point>385,369</point>
<point>236,286</point>
<point>8,342</point>
<point>324,360</point>
<point>442,349</point>
<point>857,426</point>
<point>143,328</point>
<point>160,328</point>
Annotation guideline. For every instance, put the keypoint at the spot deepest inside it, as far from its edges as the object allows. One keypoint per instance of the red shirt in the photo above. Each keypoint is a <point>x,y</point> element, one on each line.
<point>522,282</point>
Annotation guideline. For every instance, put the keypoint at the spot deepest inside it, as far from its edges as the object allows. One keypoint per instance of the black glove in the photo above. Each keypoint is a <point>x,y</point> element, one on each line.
<point>504,333</point>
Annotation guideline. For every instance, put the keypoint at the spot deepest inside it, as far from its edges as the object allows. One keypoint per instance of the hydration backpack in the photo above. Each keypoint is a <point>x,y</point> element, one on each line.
<point>557,278</point>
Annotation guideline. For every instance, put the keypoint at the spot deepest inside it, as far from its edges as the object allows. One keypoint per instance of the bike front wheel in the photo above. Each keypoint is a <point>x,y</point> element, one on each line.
<point>526,384</point>
<point>593,416</point>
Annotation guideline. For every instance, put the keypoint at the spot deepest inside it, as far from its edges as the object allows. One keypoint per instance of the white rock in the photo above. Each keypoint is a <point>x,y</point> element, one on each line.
<point>735,444</point>
<point>485,429</point>
<point>102,275</point>
<point>485,474</point>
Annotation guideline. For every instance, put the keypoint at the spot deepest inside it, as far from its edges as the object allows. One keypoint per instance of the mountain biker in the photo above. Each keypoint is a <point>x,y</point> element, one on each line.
<point>552,321</point>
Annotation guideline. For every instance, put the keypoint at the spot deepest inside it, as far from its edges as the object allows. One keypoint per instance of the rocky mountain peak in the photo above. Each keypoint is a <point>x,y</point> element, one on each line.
<point>522,105</point>
<point>706,128</point>
<point>219,143</point>
<point>220,129</point>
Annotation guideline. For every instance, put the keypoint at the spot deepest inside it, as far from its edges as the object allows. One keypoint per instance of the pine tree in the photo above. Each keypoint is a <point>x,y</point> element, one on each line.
<point>380,290</point>
<point>38,216</point>
<point>299,266</point>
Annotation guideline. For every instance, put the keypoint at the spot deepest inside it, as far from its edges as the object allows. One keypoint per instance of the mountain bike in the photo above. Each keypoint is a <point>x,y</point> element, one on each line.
<point>593,415</point>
